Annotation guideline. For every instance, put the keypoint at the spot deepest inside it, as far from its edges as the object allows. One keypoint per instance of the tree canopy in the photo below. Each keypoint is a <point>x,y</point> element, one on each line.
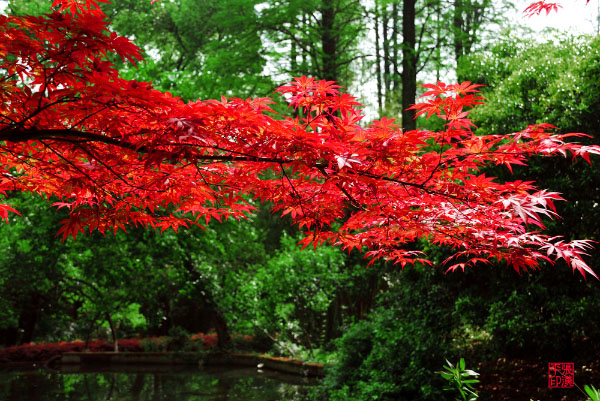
<point>118,152</point>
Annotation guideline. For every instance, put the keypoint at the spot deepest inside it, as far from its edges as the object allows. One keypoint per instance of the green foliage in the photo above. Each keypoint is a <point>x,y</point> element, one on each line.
<point>196,49</point>
<point>30,272</point>
<point>555,82</point>
<point>392,355</point>
<point>154,344</point>
<point>177,339</point>
<point>144,282</point>
<point>533,83</point>
<point>592,392</point>
<point>288,294</point>
<point>29,7</point>
<point>458,378</point>
<point>541,320</point>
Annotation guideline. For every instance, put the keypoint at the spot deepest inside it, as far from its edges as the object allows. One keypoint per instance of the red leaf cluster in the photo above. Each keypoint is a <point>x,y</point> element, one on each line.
<point>118,153</point>
<point>540,6</point>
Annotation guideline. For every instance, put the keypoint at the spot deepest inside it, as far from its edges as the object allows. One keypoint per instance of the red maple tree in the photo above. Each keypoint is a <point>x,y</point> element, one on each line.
<point>117,153</point>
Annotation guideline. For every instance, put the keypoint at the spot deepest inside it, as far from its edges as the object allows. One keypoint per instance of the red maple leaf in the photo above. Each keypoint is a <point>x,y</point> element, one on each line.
<point>118,152</point>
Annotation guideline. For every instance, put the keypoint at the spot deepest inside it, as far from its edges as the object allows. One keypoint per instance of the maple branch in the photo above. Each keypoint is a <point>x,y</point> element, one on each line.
<point>100,187</point>
<point>439,163</point>
<point>8,118</point>
<point>58,134</point>
<point>403,183</point>
<point>90,116</point>
<point>63,134</point>
<point>113,172</point>
<point>38,110</point>
<point>27,161</point>
<point>353,202</point>
<point>296,194</point>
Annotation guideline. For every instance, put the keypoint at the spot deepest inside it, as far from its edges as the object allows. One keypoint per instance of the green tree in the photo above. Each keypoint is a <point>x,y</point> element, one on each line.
<point>546,82</point>
<point>30,273</point>
<point>317,38</point>
<point>485,312</point>
<point>196,49</point>
<point>542,82</point>
<point>392,354</point>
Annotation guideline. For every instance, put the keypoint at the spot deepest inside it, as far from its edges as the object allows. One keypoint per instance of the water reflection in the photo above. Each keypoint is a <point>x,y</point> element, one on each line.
<point>147,383</point>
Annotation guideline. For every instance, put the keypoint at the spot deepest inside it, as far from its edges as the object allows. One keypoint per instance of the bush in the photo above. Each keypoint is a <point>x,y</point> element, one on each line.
<point>45,351</point>
<point>178,338</point>
<point>394,353</point>
<point>542,320</point>
<point>154,344</point>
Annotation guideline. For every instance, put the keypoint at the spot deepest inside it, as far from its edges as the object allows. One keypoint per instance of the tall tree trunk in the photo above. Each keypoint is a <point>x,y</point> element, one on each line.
<point>409,64</point>
<point>457,28</point>
<point>113,332</point>
<point>28,318</point>
<point>293,57</point>
<point>468,18</point>
<point>438,33</point>
<point>386,53</point>
<point>329,42</point>
<point>334,317</point>
<point>305,56</point>
<point>395,70</point>
<point>378,60</point>
<point>216,316</point>
<point>223,336</point>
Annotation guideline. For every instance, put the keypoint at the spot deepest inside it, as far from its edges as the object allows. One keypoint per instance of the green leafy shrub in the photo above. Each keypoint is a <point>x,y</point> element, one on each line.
<point>394,353</point>
<point>178,338</point>
<point>538,319</point>
<point>546,313</point>
<point>154,344</point>
<point>592,392</point>
<point>459,379</point>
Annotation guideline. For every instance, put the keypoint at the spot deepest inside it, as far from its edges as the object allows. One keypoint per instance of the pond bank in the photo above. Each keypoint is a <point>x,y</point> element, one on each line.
<point>286,365</point>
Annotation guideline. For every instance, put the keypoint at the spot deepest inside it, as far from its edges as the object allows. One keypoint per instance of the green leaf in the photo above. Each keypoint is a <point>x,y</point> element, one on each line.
<point>592,392</point>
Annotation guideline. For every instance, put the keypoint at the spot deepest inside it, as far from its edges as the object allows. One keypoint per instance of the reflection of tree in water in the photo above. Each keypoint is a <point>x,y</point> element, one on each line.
<point>223,387</point>
<point>196,385</point>
<point>24,386</point>
<point>137,387</point>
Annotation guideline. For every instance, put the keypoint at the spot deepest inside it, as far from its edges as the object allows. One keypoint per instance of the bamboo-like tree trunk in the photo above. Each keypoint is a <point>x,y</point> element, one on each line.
<point>409,63</point>
<point>378,60</point>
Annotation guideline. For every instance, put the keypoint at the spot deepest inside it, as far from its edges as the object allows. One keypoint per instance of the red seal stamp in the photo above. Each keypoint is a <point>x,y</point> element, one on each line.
<point>561,375</point>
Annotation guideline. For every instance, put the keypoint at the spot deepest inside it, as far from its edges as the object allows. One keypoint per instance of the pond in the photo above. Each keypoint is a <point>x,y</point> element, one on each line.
<point>149,383</point>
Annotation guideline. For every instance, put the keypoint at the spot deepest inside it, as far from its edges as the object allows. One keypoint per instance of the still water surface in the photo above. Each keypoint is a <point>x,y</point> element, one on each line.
<point>145,383</point>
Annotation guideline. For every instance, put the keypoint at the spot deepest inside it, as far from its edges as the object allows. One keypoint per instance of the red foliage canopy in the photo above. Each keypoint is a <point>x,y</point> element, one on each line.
<point>117,152</point>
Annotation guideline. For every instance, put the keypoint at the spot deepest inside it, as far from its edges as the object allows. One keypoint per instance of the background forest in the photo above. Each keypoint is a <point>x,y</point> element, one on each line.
<point>384,331</point>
